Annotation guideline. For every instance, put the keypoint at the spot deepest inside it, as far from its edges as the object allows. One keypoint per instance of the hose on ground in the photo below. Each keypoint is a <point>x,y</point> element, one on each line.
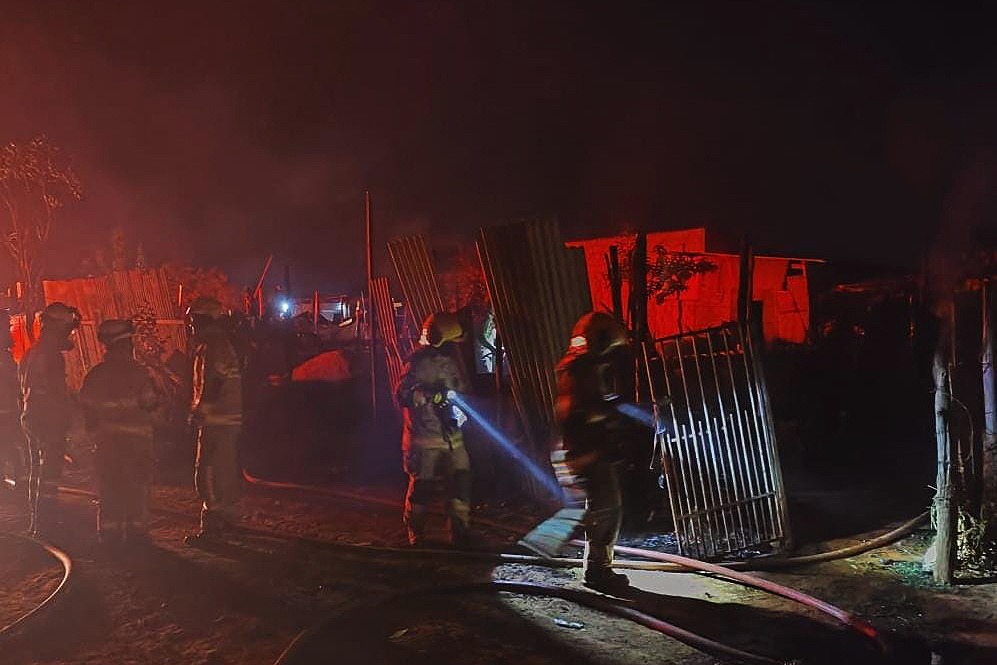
<point>677,563</point>
<point>11,629</point>
<point>760,563</point>
<point>658,561</point>
<point>604,604</point>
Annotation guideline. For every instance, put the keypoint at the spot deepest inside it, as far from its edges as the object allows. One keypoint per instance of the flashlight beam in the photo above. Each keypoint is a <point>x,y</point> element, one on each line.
<point>642,416</point>
<point>509,447</point>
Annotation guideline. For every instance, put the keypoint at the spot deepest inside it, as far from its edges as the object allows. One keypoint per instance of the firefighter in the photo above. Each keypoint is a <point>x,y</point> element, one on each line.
<point>119,397</point>
<point>12,460</point>
<point>46,412</point>
<point>432,441</point>
<point>590,425</point>
<point>216,414</point>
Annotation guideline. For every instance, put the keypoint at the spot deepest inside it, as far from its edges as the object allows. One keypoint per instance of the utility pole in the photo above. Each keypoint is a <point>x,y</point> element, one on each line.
<point>369,235</point>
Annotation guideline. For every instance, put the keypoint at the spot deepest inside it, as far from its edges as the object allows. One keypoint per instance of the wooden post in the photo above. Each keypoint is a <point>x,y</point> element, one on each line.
<point>745,282</point>
<point>372,334</point>
<point>315,312</point>
<point>944,504</point>
<point>638,309</point>
<point>615,281</point>
<point>988,508</point>
<point>499,379</point>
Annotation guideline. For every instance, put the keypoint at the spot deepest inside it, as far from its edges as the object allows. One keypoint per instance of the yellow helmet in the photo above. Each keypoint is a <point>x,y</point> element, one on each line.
<point>440,328</point>
<point>597,333</point>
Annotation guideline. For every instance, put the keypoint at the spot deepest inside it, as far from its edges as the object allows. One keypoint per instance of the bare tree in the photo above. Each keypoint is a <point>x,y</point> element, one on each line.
<point>34,184</point>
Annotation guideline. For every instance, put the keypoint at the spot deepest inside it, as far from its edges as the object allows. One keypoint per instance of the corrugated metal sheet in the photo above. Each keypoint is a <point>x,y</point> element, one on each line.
<point>538,289</point>
<point>417,277</point>
<point>121,294</point>
<point>384,314</point>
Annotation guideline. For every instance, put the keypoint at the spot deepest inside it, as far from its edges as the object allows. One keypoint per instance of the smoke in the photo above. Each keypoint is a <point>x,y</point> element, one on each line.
<point>950,257</point>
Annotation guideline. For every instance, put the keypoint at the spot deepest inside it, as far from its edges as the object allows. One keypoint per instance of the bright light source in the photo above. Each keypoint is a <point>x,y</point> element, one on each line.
<point>285,306</point>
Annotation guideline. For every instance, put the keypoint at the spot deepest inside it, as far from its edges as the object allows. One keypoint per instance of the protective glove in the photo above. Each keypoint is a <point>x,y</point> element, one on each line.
<point>459,416</point>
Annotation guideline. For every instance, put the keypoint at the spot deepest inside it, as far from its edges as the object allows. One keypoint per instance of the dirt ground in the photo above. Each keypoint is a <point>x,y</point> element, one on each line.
<point>29,576</point>
<point>245,601</point>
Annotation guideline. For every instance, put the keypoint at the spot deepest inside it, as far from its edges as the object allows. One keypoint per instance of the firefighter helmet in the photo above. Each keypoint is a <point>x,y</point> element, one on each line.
<point>115,330</point>
<point>207,307</point>
<point>61,315</point>
<point>597,333</point>
<point>440,328</point>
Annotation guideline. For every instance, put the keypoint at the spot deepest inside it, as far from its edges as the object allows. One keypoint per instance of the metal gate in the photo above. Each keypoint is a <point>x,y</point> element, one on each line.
<point>716,440</point>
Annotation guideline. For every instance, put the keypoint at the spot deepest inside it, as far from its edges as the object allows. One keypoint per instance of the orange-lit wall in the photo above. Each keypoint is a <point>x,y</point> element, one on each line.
<point>711,298</point>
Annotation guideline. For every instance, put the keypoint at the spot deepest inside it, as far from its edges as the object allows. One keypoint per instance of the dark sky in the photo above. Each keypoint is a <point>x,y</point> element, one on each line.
<point>221,132</point>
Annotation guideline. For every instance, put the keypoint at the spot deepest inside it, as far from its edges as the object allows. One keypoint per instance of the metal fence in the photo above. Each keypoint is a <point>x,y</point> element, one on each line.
<point>716,441</point>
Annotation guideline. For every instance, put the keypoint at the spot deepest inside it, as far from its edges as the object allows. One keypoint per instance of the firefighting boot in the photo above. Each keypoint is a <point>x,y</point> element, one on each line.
<point>415,525</point>
<point>605,580</point>
<point>458,524</point>
<point>212,530</point>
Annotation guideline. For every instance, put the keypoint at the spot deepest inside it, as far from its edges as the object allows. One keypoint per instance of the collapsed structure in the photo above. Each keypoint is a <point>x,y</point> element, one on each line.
<point>698,353</point>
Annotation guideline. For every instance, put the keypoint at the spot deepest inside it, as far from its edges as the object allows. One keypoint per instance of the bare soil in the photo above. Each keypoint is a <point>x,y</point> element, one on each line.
<point>29,576</point>
<point>243,602</point>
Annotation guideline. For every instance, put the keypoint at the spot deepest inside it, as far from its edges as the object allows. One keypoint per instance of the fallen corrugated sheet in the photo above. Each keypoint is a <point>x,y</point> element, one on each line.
<point>417,277</point>
<point>538,289</point>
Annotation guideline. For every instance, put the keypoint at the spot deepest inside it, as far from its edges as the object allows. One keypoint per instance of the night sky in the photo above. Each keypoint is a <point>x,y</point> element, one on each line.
<point>222,132</point>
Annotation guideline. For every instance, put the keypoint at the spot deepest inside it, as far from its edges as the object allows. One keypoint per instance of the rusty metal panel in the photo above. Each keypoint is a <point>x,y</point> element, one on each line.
<point>384,314</point>
<point>716,441</point>
<point>417,277</point>
<point>538,289</point>
<point>120,294</point>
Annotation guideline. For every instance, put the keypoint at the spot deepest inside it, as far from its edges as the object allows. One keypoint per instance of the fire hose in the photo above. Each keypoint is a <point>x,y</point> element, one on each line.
<point>658,561</point>
<point>18,625</point>
<point>664,562</point>
<point>296,649</point>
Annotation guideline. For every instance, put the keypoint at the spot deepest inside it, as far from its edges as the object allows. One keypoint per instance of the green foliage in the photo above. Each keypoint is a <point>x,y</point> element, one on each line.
<point>977,554</point>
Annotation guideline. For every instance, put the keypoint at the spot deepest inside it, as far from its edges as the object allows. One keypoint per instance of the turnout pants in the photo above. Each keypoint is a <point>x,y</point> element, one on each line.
<point>424,467</point>
<point>124,472</point>
<point>217,476</point>
<point>13,464</point>
<point>603,511</point>
<point>46,451</point>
